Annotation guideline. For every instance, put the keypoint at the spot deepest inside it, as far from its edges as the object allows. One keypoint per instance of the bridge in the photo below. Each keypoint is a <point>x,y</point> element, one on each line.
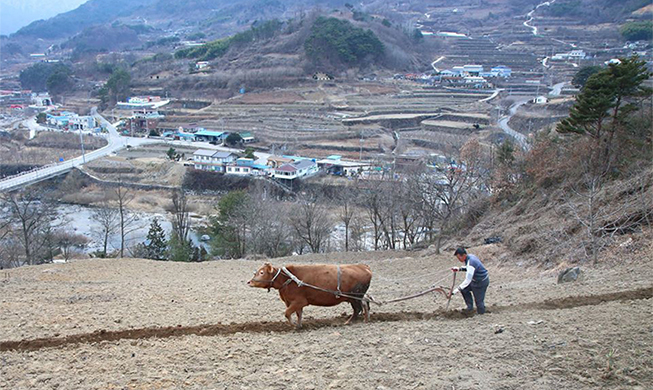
<point>115,142</point>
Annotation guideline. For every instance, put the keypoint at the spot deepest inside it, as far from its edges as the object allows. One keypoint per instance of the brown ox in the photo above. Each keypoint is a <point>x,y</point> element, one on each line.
<point>354,280</point>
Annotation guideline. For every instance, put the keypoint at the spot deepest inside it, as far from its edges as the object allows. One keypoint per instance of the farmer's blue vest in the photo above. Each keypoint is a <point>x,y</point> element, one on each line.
<point>480,273</point>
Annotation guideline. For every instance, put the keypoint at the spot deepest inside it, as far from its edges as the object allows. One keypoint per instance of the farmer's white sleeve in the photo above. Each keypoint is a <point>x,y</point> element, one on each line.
<point>468,277</point>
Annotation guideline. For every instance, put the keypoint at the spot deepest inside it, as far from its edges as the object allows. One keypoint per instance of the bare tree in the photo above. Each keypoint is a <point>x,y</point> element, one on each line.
<point>69,243</point>
<point>357,233</point>
<point>373,202</point>
<point>346,211</point>
<point>312,224</point>
<point>389,215</point>
<point>445,194</point>
<point>30,215</point>
<point>269,229</point>
<point>410,216</point>
<point>125,218</point>
<point>180,215</point>
<point>10,252</point>
<point>108,221</point>
<point>588,202</point>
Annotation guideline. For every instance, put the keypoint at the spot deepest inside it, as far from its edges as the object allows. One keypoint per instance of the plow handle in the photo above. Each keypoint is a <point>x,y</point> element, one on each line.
<point>453,284</point>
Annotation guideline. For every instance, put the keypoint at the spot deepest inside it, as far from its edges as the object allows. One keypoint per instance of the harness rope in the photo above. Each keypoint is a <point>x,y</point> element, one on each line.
<point>367,298</point>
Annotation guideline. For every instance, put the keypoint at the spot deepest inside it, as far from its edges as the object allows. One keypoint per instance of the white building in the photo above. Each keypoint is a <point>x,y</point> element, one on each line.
<point>246,167</point>
<point>541,100</point>
<point>71,121</point>
<point>334,165</point>
<point>199,65</point>
<point>473,70</point>
<point>212,160</point>
<point>572,55</point>
<point>41,99</point>
<point>81,123</point>
<point>577,55</point>
<point>142,102</point>
<point>501,71</point>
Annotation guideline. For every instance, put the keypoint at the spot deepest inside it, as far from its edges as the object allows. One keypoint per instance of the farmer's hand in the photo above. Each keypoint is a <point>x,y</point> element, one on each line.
<point>453,292</point>
<point>455,269</point>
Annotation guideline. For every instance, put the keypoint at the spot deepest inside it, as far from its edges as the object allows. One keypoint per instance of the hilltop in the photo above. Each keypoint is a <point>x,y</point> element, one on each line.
<point>160,41</point>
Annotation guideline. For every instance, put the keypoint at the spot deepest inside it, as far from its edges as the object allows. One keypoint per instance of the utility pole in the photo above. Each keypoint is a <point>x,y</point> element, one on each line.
<point>81,141</point>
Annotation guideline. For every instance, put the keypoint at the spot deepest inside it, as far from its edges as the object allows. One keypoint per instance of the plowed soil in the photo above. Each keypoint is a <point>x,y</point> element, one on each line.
<point>139,324</point>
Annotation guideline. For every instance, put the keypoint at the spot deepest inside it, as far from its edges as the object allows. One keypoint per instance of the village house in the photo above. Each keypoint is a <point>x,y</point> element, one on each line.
<point>210,135</point>
<point>577,55</point>
<point>71,121</point>
<point>321,76</point>
<point>334,165</point>
<point>296,170</point>
<point>202,65</point>
<point>473,74</point>
<point>277,161</point>
<point>83,123</point>
<point>472,70</point>
<point>247,137</point>
<point>144,119</point>
<point>477,81</point>
<point>572,55</point>
<point>141,102</point>
<point>501,71</point>
<point>541,100</point>
<point>212,160</point>
<point>41,100</point>
<point>245,167</point>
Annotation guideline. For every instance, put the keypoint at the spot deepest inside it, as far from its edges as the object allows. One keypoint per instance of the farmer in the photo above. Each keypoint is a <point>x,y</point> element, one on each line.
<point>476,280</point>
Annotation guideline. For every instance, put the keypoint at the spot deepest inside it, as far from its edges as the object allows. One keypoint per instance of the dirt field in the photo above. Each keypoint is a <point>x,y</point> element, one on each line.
<point>137,324</point>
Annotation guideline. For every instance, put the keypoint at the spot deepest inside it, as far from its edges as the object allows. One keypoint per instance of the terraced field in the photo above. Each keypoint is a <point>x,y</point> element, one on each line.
<point>337,119</point>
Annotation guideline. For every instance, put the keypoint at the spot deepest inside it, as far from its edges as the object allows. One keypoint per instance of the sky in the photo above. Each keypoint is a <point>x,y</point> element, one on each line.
<point>15,14</point>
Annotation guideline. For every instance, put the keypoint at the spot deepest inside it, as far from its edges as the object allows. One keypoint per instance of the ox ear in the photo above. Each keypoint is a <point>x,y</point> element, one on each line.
<point>267,267</point>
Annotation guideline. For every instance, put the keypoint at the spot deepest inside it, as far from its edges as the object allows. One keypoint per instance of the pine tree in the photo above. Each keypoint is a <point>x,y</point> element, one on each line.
<point>506,153</point>
<point>180,250</point>
<point>602,107</point>
<point>156,243</point>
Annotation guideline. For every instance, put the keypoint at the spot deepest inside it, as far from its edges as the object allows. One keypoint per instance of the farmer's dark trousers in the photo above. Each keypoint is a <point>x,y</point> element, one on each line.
<point>478,290</point>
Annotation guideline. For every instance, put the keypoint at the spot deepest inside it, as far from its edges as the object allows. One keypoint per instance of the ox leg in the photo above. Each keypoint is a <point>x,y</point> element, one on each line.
<point>299,313</point>
<point>356,305</point>
<point>297,309</point>
<point>366,311</point>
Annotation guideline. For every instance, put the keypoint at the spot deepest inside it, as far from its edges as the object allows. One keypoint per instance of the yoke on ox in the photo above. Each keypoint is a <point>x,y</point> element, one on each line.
<point>319,285</point>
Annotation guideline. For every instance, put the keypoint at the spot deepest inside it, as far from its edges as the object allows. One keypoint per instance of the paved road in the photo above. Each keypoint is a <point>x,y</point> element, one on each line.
<point>435,62</point>
<point>520,138</point>
<point>34,128</point>
<point>494,94</point>
<point>530,15</point>
<point>115,142</point>
<point>556,89</point>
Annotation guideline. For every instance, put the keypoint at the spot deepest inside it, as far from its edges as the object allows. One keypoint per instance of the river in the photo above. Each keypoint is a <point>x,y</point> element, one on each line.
<point>79,220</point>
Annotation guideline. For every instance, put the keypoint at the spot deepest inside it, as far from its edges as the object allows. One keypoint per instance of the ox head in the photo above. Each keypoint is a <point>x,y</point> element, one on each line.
<point>264,277</point>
